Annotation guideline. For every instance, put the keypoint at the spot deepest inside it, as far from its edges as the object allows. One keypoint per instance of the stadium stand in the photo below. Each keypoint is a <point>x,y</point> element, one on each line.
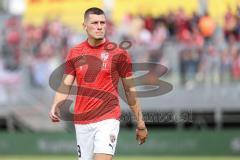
<point>203,68</point>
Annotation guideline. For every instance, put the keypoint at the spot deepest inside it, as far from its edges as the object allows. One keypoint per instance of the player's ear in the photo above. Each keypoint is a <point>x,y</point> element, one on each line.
<point>84,26</point>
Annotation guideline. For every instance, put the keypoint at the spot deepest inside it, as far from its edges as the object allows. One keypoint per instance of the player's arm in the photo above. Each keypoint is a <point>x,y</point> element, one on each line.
<point>61,95</point>
<point>130,92</point>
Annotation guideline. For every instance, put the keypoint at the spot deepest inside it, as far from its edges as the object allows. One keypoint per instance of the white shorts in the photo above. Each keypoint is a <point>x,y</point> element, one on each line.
<point>99,137</point>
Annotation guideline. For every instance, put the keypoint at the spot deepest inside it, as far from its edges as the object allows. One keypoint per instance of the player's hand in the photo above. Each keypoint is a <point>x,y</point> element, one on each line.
<point>54,114</point>
<point>141,135</point>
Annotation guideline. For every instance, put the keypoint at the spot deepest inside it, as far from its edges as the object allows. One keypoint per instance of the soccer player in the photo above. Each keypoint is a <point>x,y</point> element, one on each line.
<point>97,70</point>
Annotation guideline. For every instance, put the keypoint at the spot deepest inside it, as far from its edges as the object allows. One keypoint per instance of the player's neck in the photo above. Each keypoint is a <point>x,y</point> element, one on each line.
<point>95,43</point>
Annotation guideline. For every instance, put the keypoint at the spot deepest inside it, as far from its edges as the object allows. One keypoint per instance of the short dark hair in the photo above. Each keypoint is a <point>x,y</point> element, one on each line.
<point>93,10</point>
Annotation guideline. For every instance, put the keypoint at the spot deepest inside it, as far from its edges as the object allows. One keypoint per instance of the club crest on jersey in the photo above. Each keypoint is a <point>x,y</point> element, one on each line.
<point>112,138</point>
<point>104,56</point>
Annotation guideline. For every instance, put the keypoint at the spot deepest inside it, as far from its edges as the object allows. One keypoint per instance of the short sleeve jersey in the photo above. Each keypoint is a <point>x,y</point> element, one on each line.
<point>97,71</point>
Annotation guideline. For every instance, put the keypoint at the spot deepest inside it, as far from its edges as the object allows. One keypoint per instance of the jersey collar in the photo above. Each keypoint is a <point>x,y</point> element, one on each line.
<point>99,46</point>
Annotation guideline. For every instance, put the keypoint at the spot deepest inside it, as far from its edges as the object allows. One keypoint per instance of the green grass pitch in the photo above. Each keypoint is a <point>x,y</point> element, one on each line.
<point>45,157</point>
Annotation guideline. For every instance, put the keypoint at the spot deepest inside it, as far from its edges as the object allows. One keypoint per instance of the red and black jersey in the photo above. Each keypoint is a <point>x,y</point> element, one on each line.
<point>97,71</point>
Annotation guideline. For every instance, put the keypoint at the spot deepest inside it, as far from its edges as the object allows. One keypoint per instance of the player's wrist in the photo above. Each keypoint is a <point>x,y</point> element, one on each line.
<point>141,125</point>
<point>141,129</point>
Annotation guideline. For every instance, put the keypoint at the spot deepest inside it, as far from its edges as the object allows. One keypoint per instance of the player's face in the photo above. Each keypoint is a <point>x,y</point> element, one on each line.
<point>95,26</point>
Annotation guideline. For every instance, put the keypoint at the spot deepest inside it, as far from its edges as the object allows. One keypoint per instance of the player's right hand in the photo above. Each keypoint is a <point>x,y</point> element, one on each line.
<point>54,114</point>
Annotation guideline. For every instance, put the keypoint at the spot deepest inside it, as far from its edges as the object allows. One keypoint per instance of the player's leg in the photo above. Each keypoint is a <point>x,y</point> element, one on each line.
<point>85,141</point>
<point>106,139</point>
<point>102,156</point>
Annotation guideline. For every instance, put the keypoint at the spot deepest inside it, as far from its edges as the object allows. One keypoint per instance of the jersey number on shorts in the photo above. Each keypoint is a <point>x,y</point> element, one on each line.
<point>79,150</point>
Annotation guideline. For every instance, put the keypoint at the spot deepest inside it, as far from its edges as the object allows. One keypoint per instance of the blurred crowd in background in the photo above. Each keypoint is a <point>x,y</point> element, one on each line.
<point>205,51</point>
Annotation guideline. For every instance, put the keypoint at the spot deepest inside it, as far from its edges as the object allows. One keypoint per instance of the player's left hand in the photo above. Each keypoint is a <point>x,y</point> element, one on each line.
<point>141,135</point>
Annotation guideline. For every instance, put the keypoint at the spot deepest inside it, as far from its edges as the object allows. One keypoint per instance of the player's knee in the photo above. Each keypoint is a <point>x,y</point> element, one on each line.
<point>101,156</point>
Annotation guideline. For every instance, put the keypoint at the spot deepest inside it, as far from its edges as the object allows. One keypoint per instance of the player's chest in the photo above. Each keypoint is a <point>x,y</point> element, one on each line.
<point>95,63</point>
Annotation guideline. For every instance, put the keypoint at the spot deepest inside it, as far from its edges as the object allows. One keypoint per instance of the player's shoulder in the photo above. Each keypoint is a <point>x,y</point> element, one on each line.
<point>75,51</point>
<point>78,47</point>
<point>115,48</point>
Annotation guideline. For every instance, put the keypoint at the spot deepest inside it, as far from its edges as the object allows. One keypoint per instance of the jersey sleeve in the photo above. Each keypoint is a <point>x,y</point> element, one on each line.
<point>69,64</point>
<point>125,65</point>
